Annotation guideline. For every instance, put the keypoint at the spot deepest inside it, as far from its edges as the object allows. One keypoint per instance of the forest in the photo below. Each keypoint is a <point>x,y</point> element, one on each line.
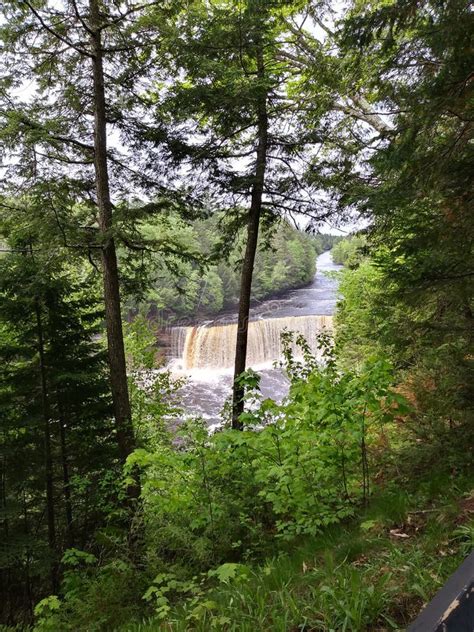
<point>209,284</point>
<point>166,162</point>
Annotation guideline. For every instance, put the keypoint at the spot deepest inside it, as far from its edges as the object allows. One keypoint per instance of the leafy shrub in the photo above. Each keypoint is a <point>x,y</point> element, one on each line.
<point>216,501</point>
<point>93,597</point>
<point>296,468</point>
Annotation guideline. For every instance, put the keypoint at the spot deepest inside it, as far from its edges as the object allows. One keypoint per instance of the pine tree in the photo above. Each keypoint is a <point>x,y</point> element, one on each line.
<point>416,188</point>
<point>231,124</point>
<point>56,420</point>
<point>87,65</point>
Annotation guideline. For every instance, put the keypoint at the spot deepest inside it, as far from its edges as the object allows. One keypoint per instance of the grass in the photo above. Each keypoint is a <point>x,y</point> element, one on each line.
<point>374,574</point>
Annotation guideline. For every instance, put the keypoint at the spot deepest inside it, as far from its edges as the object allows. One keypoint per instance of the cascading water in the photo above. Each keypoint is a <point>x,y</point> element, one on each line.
<point>204,354</point>
<point>177,341</point>
<point>213,347</point>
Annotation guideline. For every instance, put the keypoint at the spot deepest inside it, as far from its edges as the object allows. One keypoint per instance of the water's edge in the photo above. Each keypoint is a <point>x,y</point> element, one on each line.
<point>204,353</point>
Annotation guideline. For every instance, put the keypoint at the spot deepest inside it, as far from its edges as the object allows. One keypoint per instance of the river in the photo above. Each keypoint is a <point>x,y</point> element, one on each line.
<point>204,353</point>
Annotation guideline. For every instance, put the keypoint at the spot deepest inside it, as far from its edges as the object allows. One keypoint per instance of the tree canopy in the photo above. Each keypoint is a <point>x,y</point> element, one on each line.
<point>163,161</point>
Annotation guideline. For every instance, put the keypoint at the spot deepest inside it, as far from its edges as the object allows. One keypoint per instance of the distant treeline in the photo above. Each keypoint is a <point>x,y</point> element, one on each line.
<point>286,259</point>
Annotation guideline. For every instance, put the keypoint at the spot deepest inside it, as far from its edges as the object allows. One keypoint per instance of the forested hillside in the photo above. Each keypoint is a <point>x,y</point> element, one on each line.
<point>155,157</point>
<point>209,283</point>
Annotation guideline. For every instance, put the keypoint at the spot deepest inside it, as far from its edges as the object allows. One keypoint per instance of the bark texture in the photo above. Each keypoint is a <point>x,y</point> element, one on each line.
<point>113,315</point>
<point>253,226</point>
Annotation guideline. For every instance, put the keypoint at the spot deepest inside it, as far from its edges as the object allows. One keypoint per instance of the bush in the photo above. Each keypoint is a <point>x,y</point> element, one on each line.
<point>212,504</point>
<point>295,469</point>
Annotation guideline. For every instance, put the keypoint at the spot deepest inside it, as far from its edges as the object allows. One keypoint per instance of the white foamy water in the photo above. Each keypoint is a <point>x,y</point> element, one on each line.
<point>204,353</point>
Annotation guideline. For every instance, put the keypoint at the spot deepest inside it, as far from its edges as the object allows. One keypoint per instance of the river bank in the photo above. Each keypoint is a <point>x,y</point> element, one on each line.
<point>203,353</point>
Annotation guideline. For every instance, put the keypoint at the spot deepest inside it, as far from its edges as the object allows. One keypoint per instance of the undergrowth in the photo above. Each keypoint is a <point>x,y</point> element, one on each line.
<point>374,573</point>
<point>328,512</point>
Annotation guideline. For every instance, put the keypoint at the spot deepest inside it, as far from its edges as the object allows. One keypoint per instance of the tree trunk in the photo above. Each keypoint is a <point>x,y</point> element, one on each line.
<point>66,479</point>
<point>29,592</point>
<point>48,459</point>
<point>253,225</point>
<point>113,315</point>
<point>3,494</point>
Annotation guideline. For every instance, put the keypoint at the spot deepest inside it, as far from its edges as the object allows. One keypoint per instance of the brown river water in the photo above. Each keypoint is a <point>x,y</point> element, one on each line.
<point>204,353</point>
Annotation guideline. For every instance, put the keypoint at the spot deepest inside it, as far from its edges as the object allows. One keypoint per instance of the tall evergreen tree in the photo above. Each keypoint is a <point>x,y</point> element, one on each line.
<point>416,188</point>
<point>232,120</point>
<point>86,65</point>
<point>56,419</point>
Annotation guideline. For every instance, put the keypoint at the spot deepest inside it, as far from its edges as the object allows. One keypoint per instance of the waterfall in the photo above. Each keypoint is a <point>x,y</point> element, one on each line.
<point>213,346</point>
<point>177,340</point>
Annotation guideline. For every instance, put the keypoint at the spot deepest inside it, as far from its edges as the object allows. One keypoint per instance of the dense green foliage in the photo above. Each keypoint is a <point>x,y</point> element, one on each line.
<point>286,259</point>
<point>414,296</point>
<point>345,506</point>
<point>430,350</point>
<point>375,572</point>
<point>348,251</point>
<point>56,423</point>
<point>296,469</point>
<point>289,482</point>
